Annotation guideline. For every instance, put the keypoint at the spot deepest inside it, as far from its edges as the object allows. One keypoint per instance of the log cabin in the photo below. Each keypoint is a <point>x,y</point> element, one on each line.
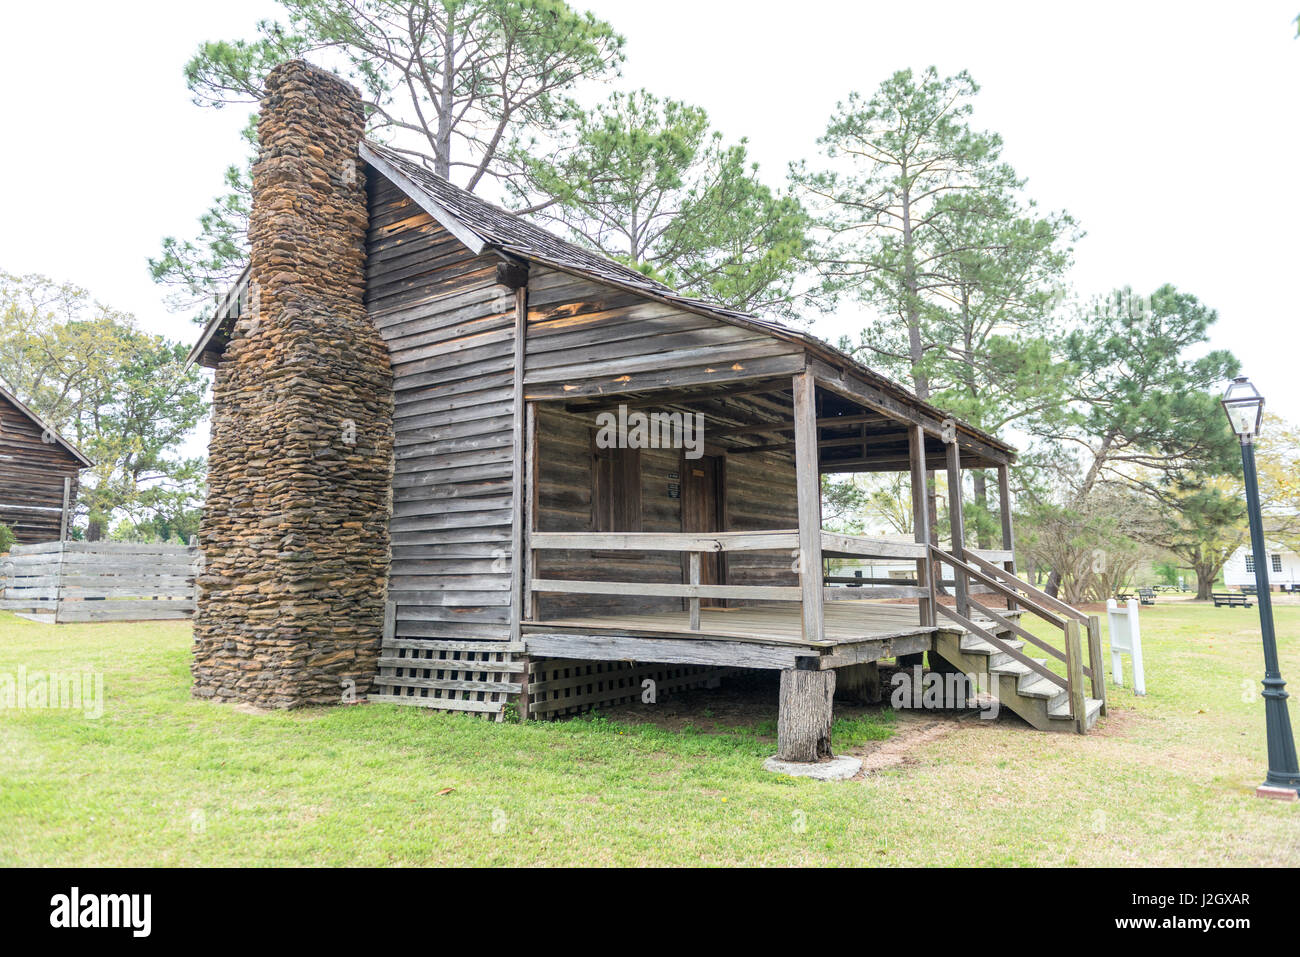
<point>460,463</point>
<point>39,474</point>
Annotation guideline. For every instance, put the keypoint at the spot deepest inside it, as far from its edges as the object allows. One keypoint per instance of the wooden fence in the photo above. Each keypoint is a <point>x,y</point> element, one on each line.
<point>99,581</point>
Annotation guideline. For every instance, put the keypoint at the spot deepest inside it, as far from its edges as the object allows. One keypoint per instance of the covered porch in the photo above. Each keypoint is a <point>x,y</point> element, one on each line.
<point>789,430</point>
<point>632,570</point>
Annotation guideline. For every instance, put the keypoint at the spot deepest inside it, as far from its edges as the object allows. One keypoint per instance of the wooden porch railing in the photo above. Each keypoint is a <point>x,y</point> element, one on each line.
<point>973,573</point>
<point>1019,594</point>
<point>696,545</point>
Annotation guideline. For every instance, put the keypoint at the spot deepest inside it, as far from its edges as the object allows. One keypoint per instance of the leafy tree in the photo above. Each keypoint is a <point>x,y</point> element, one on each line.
<point>452,80</point>
<point>1205,517</point>
<point>902,167</point>
<point>7,538</point>
<point>1093,547</point>
<point>122,395</point>
<point>919,218</point>
<point>851,503</point>
<point>645,181</point>
<point>1142,413</point>
<point>994,362</point>
<point>1277,461</point>
<point>1203,526</point>
<point>1142,408</point>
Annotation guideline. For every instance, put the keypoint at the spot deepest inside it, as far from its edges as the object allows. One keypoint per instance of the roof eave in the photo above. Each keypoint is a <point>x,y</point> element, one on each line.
<point>47,429</point>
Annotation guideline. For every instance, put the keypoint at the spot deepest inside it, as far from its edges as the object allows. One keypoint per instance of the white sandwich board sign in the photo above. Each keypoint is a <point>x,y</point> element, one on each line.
<point>1125,638</point>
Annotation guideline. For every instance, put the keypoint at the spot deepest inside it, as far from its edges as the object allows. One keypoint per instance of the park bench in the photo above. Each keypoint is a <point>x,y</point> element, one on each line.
<point>1229,600</point>
<point>1147,596</point>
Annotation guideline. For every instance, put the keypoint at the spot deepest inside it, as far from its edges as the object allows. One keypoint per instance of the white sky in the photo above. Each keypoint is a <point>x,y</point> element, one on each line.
<point>1169,130</point>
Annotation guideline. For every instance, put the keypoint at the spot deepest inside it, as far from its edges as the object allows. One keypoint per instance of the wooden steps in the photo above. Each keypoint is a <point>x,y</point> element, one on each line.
<point>1041,702</point>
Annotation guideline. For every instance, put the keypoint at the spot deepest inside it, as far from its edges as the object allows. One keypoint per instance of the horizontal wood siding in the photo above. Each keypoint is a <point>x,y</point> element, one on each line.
<point>564,505</point>
<point>31,477</point>
<point>449,328</point>
<point>761,495</point>
<point>587,338</point>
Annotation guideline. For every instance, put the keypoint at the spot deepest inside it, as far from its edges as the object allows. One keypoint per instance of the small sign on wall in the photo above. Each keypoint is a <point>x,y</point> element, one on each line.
<point>674,485</point>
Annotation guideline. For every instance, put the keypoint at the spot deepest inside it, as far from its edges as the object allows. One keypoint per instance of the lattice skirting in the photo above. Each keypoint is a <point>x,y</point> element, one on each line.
<point>480,677</point>
<point>560,686</point>
<point>485,677</point>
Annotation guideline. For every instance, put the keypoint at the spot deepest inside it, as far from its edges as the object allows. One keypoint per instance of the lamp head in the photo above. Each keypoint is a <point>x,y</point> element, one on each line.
<point>1245,408</point>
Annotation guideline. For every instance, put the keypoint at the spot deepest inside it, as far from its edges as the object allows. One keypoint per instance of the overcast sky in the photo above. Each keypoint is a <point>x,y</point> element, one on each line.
<point>1169,130</point>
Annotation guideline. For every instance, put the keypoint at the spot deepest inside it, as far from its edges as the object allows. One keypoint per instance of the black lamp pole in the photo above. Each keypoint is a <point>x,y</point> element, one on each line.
<point>1283,771</point>
<point>1245,408</point>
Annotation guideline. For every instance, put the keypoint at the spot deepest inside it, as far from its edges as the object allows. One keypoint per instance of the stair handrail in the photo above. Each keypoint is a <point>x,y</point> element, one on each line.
<point>1051,610</point>
<point>1036,594</point>
<point>956,616</point>
<point>1096,667</point>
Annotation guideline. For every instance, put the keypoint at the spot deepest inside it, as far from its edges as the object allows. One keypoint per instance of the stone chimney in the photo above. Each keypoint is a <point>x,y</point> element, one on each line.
<point>295,530</point>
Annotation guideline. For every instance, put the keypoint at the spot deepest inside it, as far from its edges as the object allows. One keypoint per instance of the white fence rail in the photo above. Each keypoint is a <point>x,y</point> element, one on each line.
<point>99,581</point>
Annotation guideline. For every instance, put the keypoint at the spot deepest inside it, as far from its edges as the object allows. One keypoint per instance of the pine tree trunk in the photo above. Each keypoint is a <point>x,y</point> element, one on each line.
<point>981,482</point>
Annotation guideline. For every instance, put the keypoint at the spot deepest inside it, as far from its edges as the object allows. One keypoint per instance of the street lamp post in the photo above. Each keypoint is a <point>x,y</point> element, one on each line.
<point>1245,408</point>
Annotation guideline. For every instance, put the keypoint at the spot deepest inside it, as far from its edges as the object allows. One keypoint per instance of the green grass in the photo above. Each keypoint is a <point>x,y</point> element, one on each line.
<point>164,779</point>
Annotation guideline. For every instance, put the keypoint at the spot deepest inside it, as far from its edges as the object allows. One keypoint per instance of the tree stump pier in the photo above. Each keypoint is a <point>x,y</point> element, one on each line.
<point>803,726</point>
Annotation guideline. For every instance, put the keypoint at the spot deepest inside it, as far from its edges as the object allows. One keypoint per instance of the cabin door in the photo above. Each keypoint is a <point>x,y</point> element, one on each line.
<point>702,511</point>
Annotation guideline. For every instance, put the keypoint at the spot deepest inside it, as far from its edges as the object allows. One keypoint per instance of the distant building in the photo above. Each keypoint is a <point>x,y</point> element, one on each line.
<point>1283,568</point>
<point>39,473</point>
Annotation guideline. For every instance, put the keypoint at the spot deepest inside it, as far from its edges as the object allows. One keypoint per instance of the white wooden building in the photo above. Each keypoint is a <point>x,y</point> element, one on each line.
<point>1283,568</point>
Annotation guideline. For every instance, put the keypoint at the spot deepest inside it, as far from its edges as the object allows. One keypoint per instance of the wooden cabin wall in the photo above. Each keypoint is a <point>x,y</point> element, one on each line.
<point>449,328</point>
<point>564,467</point>
<point>31,478</point>
<point>761,495</point>
<point>582,333</point>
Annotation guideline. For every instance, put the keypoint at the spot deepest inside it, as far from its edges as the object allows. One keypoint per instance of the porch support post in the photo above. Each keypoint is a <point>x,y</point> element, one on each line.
<point>63,515</point>
<point>803,724</point>
<point>808,479</point>
<point>955,519</point>
<point>921,519</point>
<point>528,600</point>
<point>519,487</point>
<point>858,684</point>
<point>1008,539</point>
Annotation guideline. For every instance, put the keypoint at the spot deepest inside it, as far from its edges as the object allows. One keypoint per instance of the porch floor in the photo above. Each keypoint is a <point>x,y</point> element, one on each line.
<point>770,632</point>
<point>776,622</point>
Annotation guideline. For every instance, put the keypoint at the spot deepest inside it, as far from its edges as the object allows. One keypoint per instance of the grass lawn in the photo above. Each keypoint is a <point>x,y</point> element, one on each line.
<point>161,778</point>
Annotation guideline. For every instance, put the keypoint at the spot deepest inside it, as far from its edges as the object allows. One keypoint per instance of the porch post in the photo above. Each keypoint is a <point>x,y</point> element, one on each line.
<point>1008,540</point>
<point>808,479</point>
<point>518,485</point>
<point>63,515</point>
<point>957,522</point>
<point>921,519</point>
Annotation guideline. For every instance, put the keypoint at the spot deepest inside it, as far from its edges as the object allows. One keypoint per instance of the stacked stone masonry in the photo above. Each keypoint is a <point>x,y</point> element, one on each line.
<point>295,531</point>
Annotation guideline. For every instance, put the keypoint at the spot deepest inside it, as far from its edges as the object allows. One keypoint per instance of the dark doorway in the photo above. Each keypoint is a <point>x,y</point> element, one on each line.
<point>704,510</point>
